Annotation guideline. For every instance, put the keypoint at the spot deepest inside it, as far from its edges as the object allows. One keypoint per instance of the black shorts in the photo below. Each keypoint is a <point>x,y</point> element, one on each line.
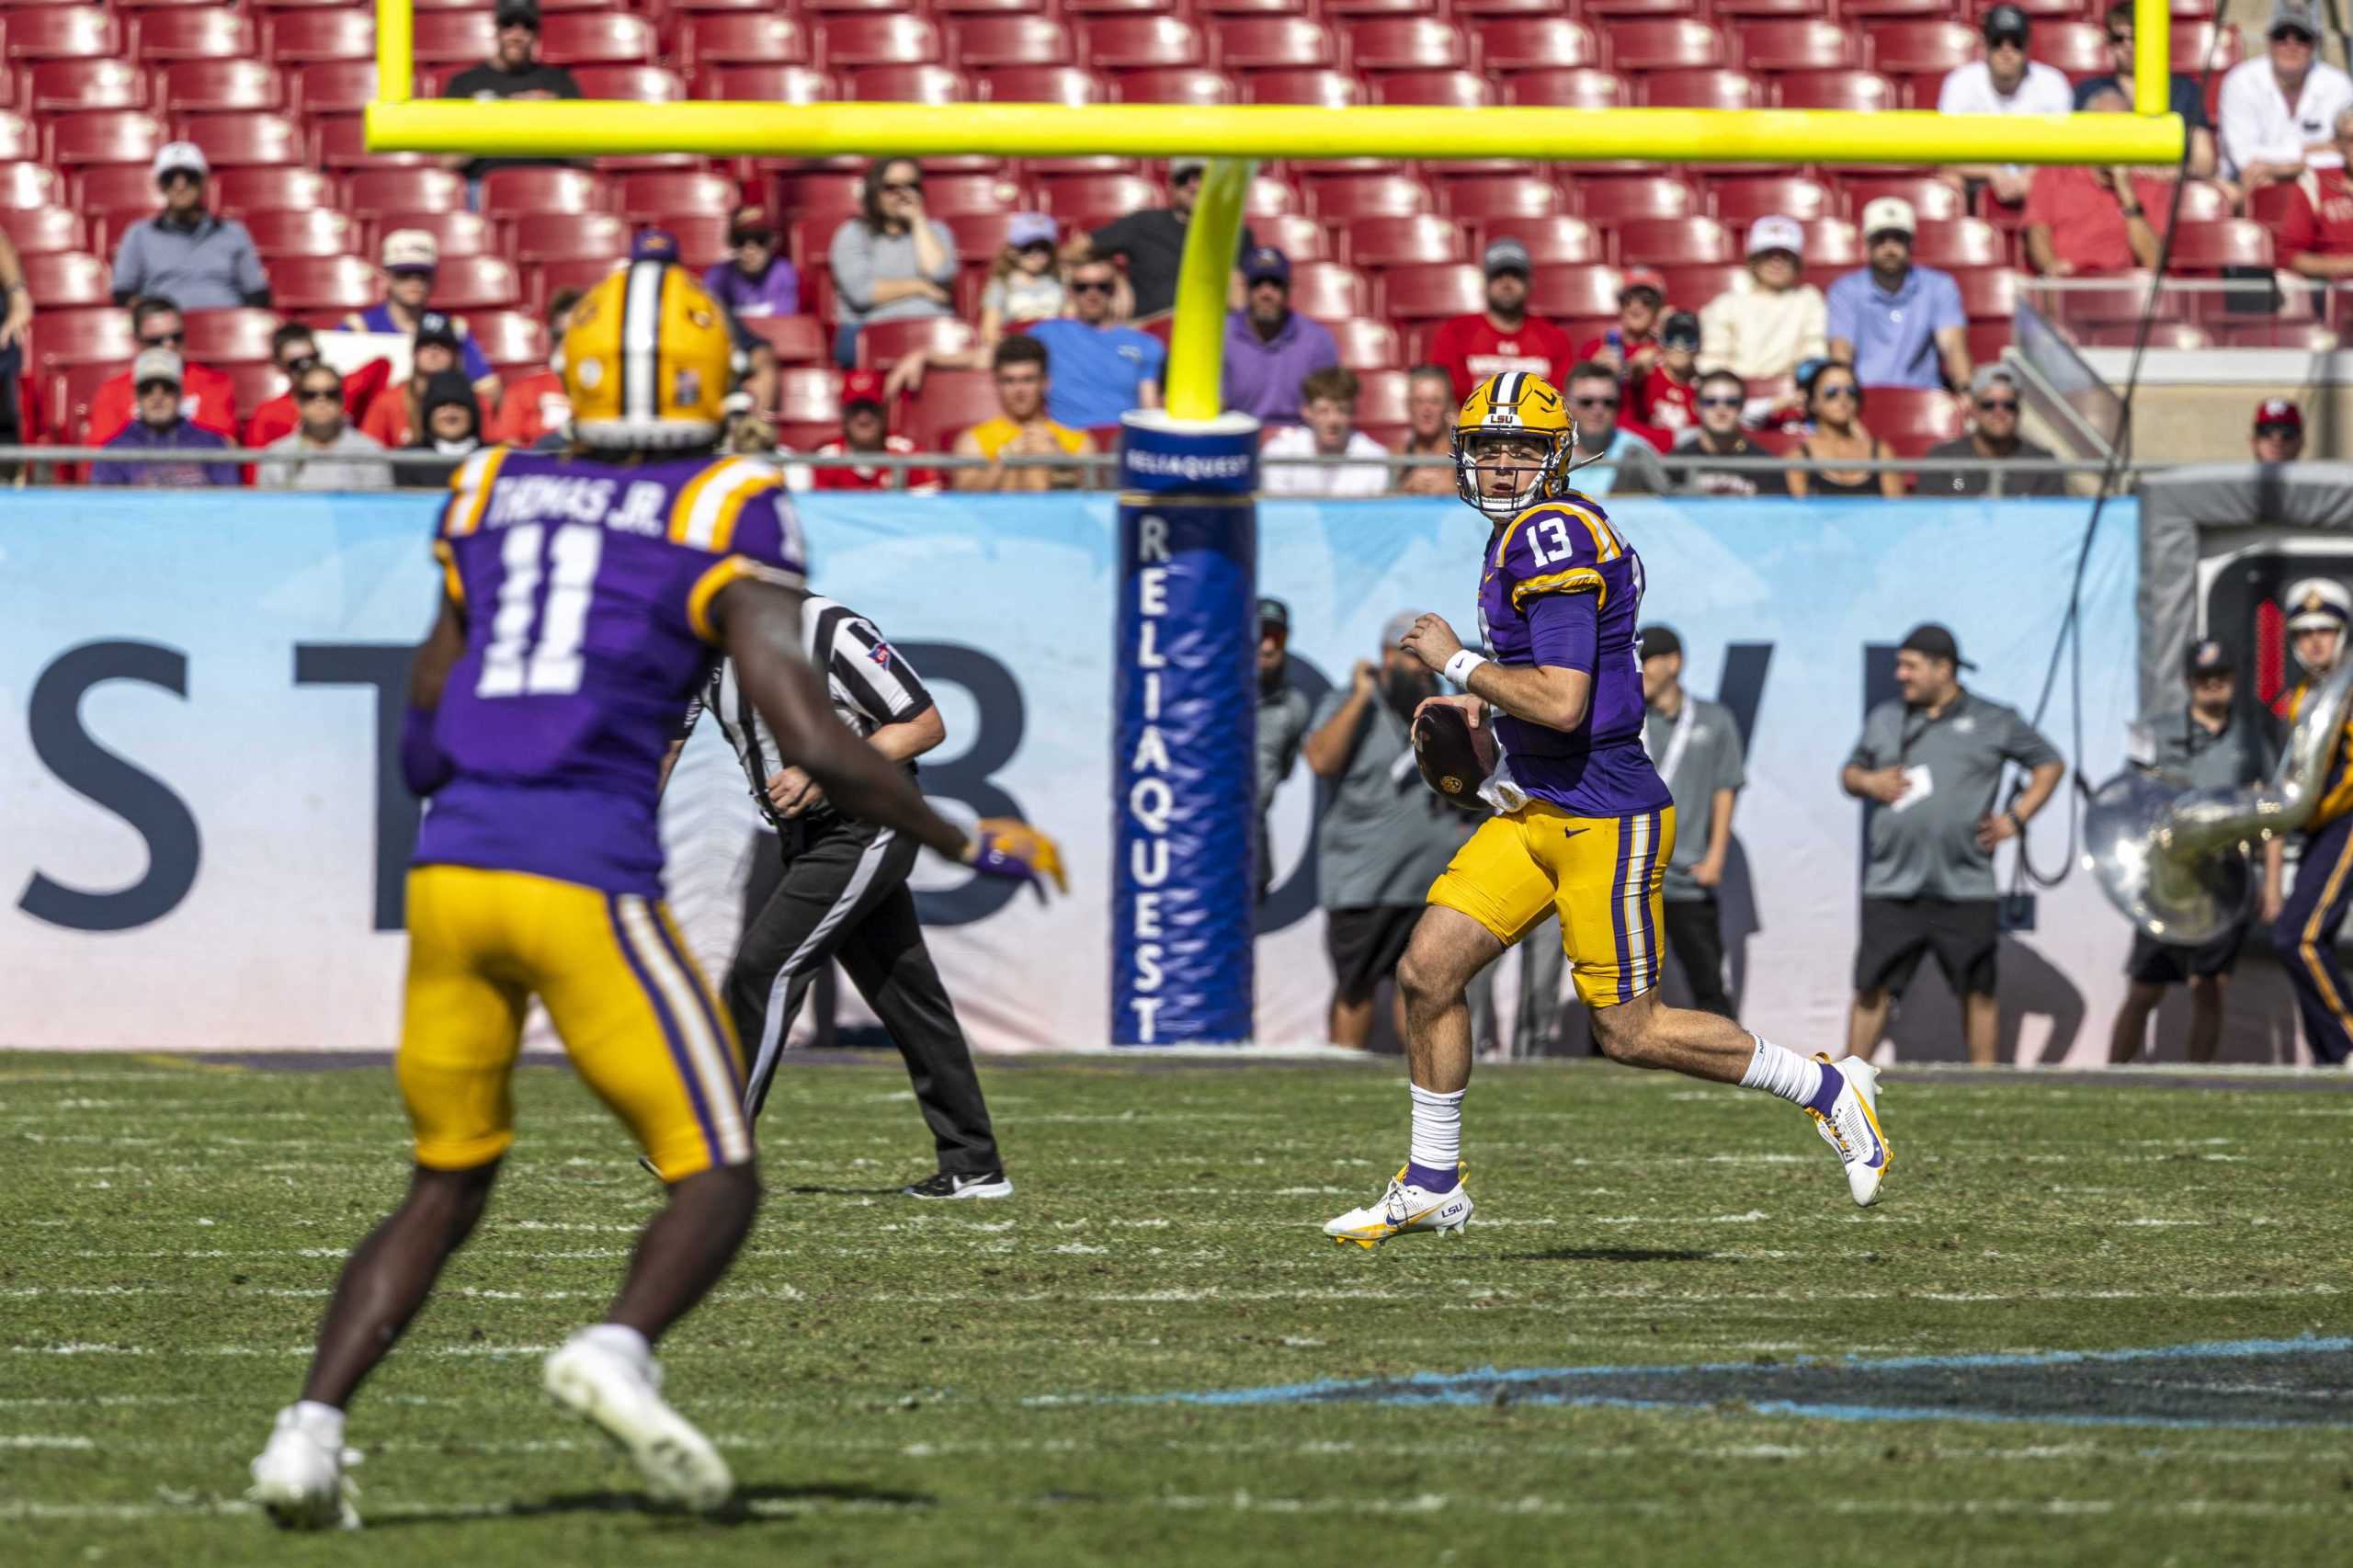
<point>2165,963</point>
<point>1365,944</point>
<point>1898,932</point>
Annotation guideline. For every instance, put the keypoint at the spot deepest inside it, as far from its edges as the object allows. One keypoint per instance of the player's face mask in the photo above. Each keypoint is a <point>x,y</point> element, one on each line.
<point>1504,475</point>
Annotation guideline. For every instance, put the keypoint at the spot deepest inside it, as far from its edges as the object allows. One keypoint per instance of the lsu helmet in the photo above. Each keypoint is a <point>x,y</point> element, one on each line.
<point>647,361</point>
<point>1514,406</point>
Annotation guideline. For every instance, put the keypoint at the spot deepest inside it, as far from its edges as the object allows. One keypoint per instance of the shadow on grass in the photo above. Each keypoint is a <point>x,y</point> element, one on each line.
<point>1614,1255</point>
<point>760,1505</point>
<point>841,1191</point>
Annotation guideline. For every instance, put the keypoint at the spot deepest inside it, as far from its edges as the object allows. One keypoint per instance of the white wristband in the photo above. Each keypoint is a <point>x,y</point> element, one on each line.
<point>1459,668</point>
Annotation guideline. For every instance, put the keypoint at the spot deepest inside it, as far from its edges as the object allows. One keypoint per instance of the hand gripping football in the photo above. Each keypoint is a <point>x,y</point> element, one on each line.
<point>1454,756</point>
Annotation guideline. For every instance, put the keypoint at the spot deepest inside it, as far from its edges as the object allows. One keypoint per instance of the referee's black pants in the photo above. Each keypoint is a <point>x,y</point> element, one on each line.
<point>1695,934</point>
<point>842,895</point>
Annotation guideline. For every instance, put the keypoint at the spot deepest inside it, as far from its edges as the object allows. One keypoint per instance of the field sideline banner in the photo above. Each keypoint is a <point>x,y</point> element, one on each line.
<point>204,821</point>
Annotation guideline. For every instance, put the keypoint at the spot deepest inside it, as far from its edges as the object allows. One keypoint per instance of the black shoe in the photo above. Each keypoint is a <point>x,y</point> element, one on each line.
<point>946,1185</point>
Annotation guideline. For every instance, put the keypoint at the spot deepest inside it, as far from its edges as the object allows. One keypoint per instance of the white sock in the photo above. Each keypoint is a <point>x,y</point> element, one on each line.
<point>621,1340</point>
<point>1778,1071</point>
<point>323,1422</point>
<point>1438,1129</point>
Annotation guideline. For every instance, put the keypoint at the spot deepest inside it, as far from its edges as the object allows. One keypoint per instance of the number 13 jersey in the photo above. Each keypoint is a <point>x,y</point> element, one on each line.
<point>587,588</point>
<point>1561,547</point>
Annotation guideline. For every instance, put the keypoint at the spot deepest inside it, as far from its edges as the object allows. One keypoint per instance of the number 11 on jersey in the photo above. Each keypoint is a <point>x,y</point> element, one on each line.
<point>516,663</point>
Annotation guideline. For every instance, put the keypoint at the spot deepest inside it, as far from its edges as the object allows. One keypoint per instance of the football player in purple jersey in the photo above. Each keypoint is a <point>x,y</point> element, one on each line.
<point>1582,823</point>
<point>586,597</point>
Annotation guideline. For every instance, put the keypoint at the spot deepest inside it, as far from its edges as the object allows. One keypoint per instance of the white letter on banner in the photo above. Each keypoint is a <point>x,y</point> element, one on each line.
<point>1149,801</point>
<point>1148,656</point>
<point>1148,975</point>
<point>1147,1010</point>
<point>1151,590</point>
<point>1152,696</point>
<point>1150,751</point>
<point>1151,538</point>
<point>1148,859</point>
<point>1147,914</point>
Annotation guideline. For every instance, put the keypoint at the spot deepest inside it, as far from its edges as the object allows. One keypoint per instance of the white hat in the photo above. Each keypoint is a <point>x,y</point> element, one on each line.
<point>158,365</point>
<point>1888,212</point>
<point>2318,601</point>
<point>410,247</point>
<point>1776,231</point>
<point>181,155</point>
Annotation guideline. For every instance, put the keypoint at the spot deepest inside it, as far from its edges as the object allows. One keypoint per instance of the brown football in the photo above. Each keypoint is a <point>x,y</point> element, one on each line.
<point>1455,759</point>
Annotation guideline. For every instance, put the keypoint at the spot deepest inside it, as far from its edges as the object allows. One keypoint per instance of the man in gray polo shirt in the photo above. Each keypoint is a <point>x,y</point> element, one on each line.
<point>1283,714</point>
<point>1931,763</point>
<point>185,254</point>
<point>1384,837</point>
<point>2206,743</point>
<point>1696,748</point>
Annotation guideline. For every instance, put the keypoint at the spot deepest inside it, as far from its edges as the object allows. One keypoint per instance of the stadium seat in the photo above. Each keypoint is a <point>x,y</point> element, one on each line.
<point>1919,48</point>
<point>1272,43</point>
<point>2077,48</point>
<point>2203,201</point>
<point>701,236</point>
<point>1402,240</point>
<point>372,191</point>
<point>1297,236</point>
<point>1740,199</point>
<point>1612,201</point>
<point>1689,288</point>
<point>1641,7</point>
<point>1829,243</point>
<point>258,188</point>
<point>1432,291</point>
<point>330,86</point>
<point>307,38</point>
<point>1704,88</point>
<point>1138,43</point>
<point>883,343</point>
<point>631,83</point>
<point>742,38</point>
<point>907,84</point>
<point>62,87</point>
<point>2162,335</point>
<point>1098,193</point>
<point>1571,293</point>
<point>1380,397</point>
<point>1557,239</point>
<point>61,32</point>
<point>797,340</point>
<point>1341,197</point>
<point>572,236</point>
<point>207,33</point>
<point>1782,8</point>
<point>2227,241</point>
<point>1883,10</point>
<point>191,87</point>
<point>476,283</point>
<point>1812,44</point>
<point>1663,241</point>
<point>1932,199</point>
<point>1319,88</point>
<point>100,335</point>
<point>834,194</point>
<point>1366,345</point>
<point>1348,10</point>
<point>1987,293</point>
<point>223,338</point>
<point>19,143</point>
<point>1498,198</point>
<point>453,38</point>
<point>1961,242</point>
<point>339,142</point>
<point>1250,7</point>
<point>2310,338</point>
<point>813,397</point>
<point>597,38</point>
<point>102,188</point>
<point>42,230</point>
<point>1439,89</point>
<point>1120,7</point>
<point>846,42</point>
<point>278,231</point>
<point>1406,44</point>
<point>1174,85</point>
<point>1668,43</point>
<point>1579,87</point>
<point>65,279</point>
<point>653,195</point>
<point>1326,291</point>
<point>1040,85</point>
<point>454,234</point>
<point>323,282</point>
<point>1866,91</point>
<point>106,136</point>
<point>513,192</point>
<point>1513,44</point>
<point>28,185</point>
<point>1911,419</point>
<point>1271,194</point>
<point>583,273</point>
<point>507,337</point>
<point>952,402</point>
<point>766,84</point>
<point>983,41</point>
<point>961,8</point>
<point>252,137</point>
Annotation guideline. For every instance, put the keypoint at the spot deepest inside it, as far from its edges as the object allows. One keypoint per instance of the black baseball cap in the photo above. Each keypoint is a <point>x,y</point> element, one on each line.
<point>435,327</point>
<point>1659,640</point>
<point>1935,641</point>
<point>1682,327</point>
<point>1274,613</point>
<point>2004,22</point>
<point>518,13</point>
<point>2208,657</point>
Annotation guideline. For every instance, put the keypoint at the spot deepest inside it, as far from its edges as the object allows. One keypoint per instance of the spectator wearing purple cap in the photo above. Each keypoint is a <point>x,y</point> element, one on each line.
<point>1270,348</point>
<point>754,280</point>
<point>1026,280</point>
<point>1769,321</point>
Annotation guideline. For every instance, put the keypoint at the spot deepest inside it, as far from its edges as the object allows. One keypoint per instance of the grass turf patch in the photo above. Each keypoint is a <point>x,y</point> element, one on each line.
<point>956,1383</point>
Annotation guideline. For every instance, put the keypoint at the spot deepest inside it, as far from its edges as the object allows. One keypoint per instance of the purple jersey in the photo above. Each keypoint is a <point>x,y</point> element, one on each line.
<point>1599,768</point>
<point>587,588</point>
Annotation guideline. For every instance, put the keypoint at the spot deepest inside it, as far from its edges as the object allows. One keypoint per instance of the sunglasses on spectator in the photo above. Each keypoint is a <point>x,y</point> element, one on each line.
<point>2001,404</point>
<point>171,177</point>
<point>2120,40</point>
<point>752,237</point>
<point>1720,403</point>
<point>903,185</point>
<point>1191,176</point>
<point>146,387</point>
<point>1092,286</point>
<point>1690,345</point>
<point>163,339</point>
<point>321,395</point>
<point>2276,432</point>
<point>2291,35</point>
<point>1594,402</point>
<point>1842,389</point>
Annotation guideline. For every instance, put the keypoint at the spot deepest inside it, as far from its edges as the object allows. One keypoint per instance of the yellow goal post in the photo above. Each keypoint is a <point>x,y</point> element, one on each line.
<point>1234,136</point>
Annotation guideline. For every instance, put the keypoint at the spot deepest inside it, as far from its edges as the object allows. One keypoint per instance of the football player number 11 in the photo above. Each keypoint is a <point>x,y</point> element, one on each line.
<point>516,662</point>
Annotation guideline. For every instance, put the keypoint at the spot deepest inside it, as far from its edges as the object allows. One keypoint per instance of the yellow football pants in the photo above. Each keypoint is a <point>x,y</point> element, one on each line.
<point>1603,874</point>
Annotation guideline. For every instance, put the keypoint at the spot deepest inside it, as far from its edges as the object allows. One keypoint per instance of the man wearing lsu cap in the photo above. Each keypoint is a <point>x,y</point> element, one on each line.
<point>2209,742</point>
<point>412,259</point>
<point>1269,347</point>
<point>185,254</point>
<point>2278,431</point>
<point>1284,713</point>
<point>2305,920</point>
<point>1151,242</point>
<point>1898,324</point>
<point>1769,322</point>
<point>2276,114</point>
<point>1930,762</point>
<point>1505,336</point>
<point>2004,81</point>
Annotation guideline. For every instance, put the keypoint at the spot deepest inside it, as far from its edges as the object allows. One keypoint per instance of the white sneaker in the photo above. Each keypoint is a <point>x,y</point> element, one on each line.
<point>299,1480</point>
<point>1404,1209</point>
<point>1852,1128</point>
<point>624,1396</point>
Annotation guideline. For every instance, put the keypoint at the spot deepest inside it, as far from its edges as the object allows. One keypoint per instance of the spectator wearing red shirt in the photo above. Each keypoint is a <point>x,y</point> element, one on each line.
<point>1631,345</point>
<point>2312,215</point>
<point>535,407</point>
<point>208,399</point>
<point>2090,221</point>
<point>1505,337</point>
<point>1666,396</point>
<point>864,419</point>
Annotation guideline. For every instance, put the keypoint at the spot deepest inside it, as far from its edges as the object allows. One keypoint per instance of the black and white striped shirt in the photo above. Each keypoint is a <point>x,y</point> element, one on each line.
<point>871,684</point>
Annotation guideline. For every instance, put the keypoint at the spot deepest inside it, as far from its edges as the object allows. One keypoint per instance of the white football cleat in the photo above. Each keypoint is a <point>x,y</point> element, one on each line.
<point>299,1479</point>
<point>624,1396</point>
<point>1852,1128</point>
<point>1404,1209</point>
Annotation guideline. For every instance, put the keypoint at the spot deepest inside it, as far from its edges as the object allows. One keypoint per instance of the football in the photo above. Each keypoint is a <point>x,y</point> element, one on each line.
<point>1455,757</point>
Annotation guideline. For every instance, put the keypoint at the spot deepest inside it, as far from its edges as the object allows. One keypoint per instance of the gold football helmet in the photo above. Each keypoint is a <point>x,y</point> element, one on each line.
<point>1520,408</point>
<point>647,360</point>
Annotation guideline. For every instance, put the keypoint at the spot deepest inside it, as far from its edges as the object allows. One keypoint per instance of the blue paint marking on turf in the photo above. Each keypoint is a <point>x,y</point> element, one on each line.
<point>1486,1385</point>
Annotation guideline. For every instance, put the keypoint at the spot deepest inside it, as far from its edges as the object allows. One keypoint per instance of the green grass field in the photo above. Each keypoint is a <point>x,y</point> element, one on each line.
<point>946,1384</point>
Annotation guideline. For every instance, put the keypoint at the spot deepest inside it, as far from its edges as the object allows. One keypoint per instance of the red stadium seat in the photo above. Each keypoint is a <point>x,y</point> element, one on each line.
<point>1932,199</point>
<point>1566,87</point>
<point>952,196</point>
<point>1862,90</point>
<point>1987,293</point>
<point>550,278</point>
<point>454,234</point>
<point>223,338</point>
<point>907,84</point>
<point>1399,240</point>
<point>2162,335</point>
<point>1339,197</point>
<point>190,87</point>
<point>883,343</point>
<point>323,283</point>
<point>95,336</point>
<point>1671,241</point>
<point>597,38</point>
<point>766,84</point>
<point>28,186</point>
<point>742,38</point>
<point>210,33</point>
<point>834,194</point>
<point>983,41</point>
<point>1573,293</point>
<point>1271,194</point>
<point>1786,8</point>
<point>2310,338</point>
<point>1406,44</point>
<point>65,85</point>
<point>260,187</point>
<point>340,143</point>
<point>2228,241</point>
<point>1380,397</point>
<point>1555,241</point>
<point>1139,43</point>
<point>2077,48</point>
<point>106,136</point>
<point>61,32</point>
<point>514,192</point>
<point>1671,43</point>
<point>812,396</point>
<point>415,190</point>
<point>1439,89</point>
<point>573,237</point>
<point>1812,44</point>
<point>42,230</point>
<point>844,42</point>
<point>1911,419</point>
<point>985,8</point>
<point>1829,242</point>
<point>1432,291</point>
<point>507,337</point>
<point>631,83</point>
<point>652,195</point>
<point>305,38</point>
<point>230,139</point>
<point>104,188</point>
<point>330,86</point>
<point>1740,199</point>
<point>1098,193</point>
<point>1705,87</point>
<point>952,402</point>
<point>1512,44</point>
<point>1319,88</point>
<point>1351,9</point>
<point>1482,198</point>
<point>1965,242</point>
<point>1326,290</point>
<point>1606,8</point>
<point>1892,8</point>
<point>1272,43</point>
<point>1040,85</point>
<point>1174,85</point>
<point>278,231</point>
<point>1922,48</point>
<point>1690,288</point>
<point>797,340</point>
<point>1250,7</point>
<point>1478,8</point>
<point>476,283</point>
<point>2203,201</point>
<point>1120,7</point>
<point>1611,201</point>
<point>1298,238</point>
<point>18,142</point>
<point>1366,345</point>
<point>453,38</point>
<point>64,280</point>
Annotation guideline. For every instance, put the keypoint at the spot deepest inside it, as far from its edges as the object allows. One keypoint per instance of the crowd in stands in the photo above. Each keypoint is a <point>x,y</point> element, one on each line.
<point>999,310</point>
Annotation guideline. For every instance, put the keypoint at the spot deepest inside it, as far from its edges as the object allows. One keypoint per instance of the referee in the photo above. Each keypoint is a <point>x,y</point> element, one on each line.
<point>840,891</point>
